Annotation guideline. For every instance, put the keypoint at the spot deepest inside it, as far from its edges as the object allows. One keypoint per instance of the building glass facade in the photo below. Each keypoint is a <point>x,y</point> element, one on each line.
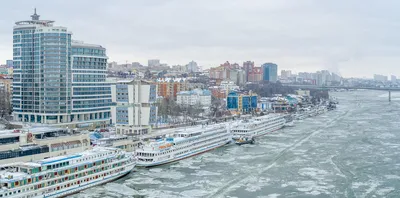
<point>246,103</point>
<point>91,98</point>
<point>270,72</point>
<point>232,101</point>
<point>253,102</point>
<point>42,67</point>
<point>54,81</point>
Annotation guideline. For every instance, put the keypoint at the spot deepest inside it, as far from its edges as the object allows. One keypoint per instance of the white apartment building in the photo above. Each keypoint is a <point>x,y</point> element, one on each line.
<point>134,112</point>
<point>228,85</point>
<point>194,97</point>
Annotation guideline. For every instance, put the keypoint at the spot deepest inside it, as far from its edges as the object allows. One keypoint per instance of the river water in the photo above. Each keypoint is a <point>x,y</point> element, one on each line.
<point>353,151</point>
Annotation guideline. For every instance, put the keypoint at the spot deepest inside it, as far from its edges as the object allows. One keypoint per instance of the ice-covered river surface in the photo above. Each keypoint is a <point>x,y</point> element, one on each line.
<point>353,151</point>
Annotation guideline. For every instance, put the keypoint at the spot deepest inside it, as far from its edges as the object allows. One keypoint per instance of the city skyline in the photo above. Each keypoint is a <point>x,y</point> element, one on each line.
<point>210,35</point>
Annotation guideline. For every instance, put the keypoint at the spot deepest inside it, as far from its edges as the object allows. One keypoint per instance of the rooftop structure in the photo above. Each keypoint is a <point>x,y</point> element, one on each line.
<point>39,143</point>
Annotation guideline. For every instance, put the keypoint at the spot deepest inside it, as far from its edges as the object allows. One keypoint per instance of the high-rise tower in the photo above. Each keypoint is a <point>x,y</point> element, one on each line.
<point>43,74</point>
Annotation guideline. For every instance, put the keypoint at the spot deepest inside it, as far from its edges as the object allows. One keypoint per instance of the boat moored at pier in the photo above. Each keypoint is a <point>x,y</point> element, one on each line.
<point>64,175</point>
<point>182,144</point>
<point>258,126</point>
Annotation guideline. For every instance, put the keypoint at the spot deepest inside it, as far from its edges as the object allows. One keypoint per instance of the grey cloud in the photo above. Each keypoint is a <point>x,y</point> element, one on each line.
<point>296,34</point>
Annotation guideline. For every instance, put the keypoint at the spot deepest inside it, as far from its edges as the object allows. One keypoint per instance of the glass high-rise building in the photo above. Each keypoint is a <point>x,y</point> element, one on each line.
<point>43,75</point>
<point>270,72</point>
<point>91,94</point>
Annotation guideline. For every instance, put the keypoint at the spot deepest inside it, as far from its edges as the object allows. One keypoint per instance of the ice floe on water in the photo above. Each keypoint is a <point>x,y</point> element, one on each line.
<point>180,185</point>
<point>397,177</point>
<point>365,188</point>
<point>188,163</point>
<point>163,174</point>
<point>297,161</point>
<point>92,192</point>
<point>157,193</point>
<point>142,180</point>
<point>249,157</point>
<point>384,191</point>
<point>313,173</point>
<point>254,183</point>
<point>202,173</point>
<point>274,195</point>
<point>194,193</point>
<point>220,159</point>
<point>120,189</point>
<point>386,136</point>
<point>310,187</point>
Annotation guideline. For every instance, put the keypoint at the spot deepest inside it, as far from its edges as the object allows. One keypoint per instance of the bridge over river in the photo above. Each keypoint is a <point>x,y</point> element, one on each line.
<point>388,89</point>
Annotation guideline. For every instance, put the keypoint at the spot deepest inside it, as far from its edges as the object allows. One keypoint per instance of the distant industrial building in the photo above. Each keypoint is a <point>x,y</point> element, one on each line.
<point>153,63</point>
<point>192,67</point>
<point>285,74</point>
<point>381,78</point>
<point>393,78</point>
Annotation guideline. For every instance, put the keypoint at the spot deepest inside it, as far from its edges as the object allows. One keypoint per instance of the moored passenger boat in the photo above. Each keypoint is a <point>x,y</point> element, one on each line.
<point>64,175</point>
<point>182,144</point>
<point>258,126</point>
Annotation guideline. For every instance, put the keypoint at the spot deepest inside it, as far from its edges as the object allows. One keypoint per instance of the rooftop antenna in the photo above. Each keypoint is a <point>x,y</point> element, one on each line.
<point>35,16</point>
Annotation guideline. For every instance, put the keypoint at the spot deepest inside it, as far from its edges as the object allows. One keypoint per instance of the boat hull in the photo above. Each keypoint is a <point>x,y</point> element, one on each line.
<point>83,187</point>
<point>258,134</point>
<point>181,158</point>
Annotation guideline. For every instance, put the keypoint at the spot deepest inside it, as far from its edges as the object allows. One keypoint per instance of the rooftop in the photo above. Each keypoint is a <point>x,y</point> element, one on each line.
<point>35,21</point>
<point>76,43</point>
<point>38,130</point>
<point>204,92</point>
<point>171,79</point>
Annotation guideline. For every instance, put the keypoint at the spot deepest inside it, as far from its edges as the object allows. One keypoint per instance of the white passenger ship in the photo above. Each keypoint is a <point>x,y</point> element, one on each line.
<point>64,175</point>
<point>258,126</point>
<point>182,144</point>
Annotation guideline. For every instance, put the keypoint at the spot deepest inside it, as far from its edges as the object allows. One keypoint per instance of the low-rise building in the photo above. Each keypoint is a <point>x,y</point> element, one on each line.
<point>241,102</point>
<point>218,92</point>
<point>228,85</point>
<point>194,97</point>
<point>25,145</point>
<point>277,104</point>
<point>6,84</point>
<point>303,92</point>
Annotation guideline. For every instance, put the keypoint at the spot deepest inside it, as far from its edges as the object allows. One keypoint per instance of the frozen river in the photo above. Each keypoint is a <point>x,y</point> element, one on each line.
<point>353,151</point>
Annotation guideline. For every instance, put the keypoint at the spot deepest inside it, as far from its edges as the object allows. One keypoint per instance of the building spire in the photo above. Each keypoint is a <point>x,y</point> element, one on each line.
<point>35,16</point>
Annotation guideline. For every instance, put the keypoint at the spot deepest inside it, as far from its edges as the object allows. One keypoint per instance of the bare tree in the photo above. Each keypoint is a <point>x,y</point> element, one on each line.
<point>5,104</point>
<point>217,107</point>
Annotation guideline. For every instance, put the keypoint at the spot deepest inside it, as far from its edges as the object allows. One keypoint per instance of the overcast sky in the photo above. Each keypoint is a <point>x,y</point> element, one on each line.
<point>352,37</point>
